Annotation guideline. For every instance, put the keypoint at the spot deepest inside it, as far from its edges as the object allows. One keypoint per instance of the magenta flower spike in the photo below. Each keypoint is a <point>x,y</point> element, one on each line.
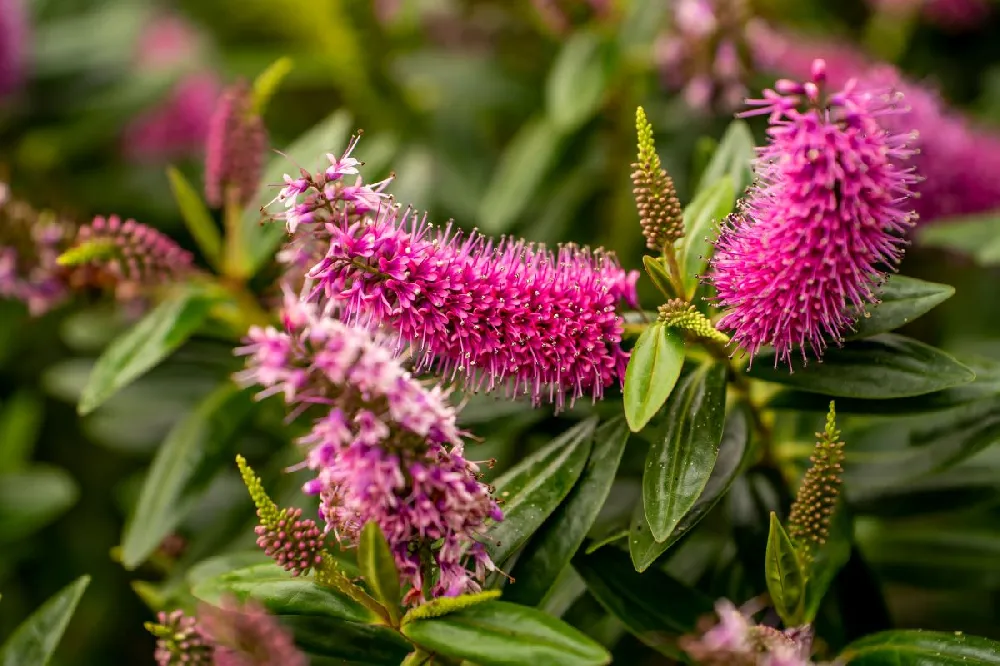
<point>503,314</point>
<point>386,449</point>
<point>234,149</point>
<point>824,222</point>
<point>135,252</point>
<point>14,46</point>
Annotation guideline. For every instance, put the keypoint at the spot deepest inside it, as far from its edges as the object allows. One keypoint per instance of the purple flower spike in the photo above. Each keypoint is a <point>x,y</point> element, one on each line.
<point>828,215</point>
<point>136,253</point>
<point>248,636</point>
<point>234,150</point>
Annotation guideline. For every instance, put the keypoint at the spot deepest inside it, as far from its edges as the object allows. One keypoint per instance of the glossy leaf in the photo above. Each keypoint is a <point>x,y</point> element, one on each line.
<point>441,606</point>
<point>902,300</point>
<point>916,647</point>
<point>785,575</point>
<point>143,346</point>
<point>551,548</point>
<point>32,498</point>
<point>35,640</point>
<point>532,489</point>
<point>701,220</point>
<point>654,607</point>
<point>680,462</point>
<point>578,80</point>
<point>379,569</point>
<point>827,562</point>
<point>658,274</point>
<point>20,422</point>
<point>643,548</point>
<point>196,217</point>
<point>652,372</point>
<point>498,633</point>
<point>196,448</point>
<point>523,166</point>
<point>282,594</point>
<point>261,240</point>
<point>331,641</point>
<point>734,158</point>
<point>880,367</point>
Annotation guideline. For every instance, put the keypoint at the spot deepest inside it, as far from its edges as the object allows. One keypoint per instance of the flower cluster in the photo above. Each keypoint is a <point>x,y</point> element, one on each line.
<point>180,640</point>
<point>387,449</point>
<point>660,213</point>
<point>734,640</point>
<point>13,45</point>
<point>949,14</point>
<point>705,52</point>
<point>234,149</point>
<point>797,266</point>
<point>816,499</point>
<point>292,542</point>
<point>505,314</point>
<point>129,252</point>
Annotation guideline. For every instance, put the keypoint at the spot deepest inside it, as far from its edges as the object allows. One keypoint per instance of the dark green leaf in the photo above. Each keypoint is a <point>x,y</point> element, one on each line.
<point>701,218</point>
<point>20,421</point>
<point>260,240</point>
<point>331,641</point>
<point>678,464</point>
<point>658,274</point>
<point>143,346</point>
<point>379,569</point>
<point>498,633</point>
<point>282,594</point>
<point>653,606</point>
<point>884,366</point>
<point>578,80</point>
<point>34,641</point>
<point>549,551</point>
<point>653,369</point>
<point>916,647</point>
<point>195,214</point>
<point>441,606</point>
<point>196,448</point>
<point>643,548</point>
<point>733,157</point>
<point>523,166</point>
<point>827,561</point>
<point>785,576</point>
<point>33,498</point>
<point>532,489</point>
<point>902,300</point>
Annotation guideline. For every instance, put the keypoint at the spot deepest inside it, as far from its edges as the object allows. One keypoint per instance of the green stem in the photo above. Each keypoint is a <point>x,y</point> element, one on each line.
<point>233,263</point>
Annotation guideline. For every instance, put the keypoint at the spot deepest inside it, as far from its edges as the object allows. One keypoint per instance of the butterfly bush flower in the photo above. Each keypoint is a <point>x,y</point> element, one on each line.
<point>704,53</point>
<point>234,150</point>
<point>504,314</point>
<point>797,266</point>
<point>386,449</point>
<point>735,640</point>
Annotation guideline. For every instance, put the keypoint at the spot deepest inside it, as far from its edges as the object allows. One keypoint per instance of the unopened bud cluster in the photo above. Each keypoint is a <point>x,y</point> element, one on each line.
<point>678,313</point>
<point>816,500</point>
<point>295,544</point>
<point>660,213</point>
<point>180,640</point>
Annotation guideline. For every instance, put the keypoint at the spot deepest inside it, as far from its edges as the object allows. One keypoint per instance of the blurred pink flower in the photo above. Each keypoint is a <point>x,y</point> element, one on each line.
<point>13,44</point>
<point>179,126</point>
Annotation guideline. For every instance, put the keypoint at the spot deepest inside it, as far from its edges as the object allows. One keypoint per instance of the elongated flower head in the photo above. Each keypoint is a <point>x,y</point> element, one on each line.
<point>234,150</point>
<point>505,314</point>
<point>660,214</point>
<point>246,635</point>
<point>13,44</point>
<point>385,448</point>
<point>180,640</point>
<point>816,500</point>
<point>825,220</point>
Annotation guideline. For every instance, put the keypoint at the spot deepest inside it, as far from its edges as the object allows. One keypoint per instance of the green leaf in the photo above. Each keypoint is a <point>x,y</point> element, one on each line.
<point>260,240</point>
<point>31,499</point>
<point>654,607</point>
<point>884,366</point>
<point>330,641</point>
<point>653,369</point>
<point>532,489</point>
<point>578,80</point>
<point>658,274</point>
<point>441,606</point>
<point>902,300</point>
<point>525,162</point>
<point>196,448</point>
<point>734,158</point>
<point>379,569</point>
<point>143,346</point>
<point>551,548</point>
<point>267,82</point>
<point>196,217</point>
<point>34,641</point>
<point>785,577</point>
<point>701,220</point>
<point>498,633</point>
<point>282,594</point>
<point>916,647</point>
<point>679,464</point>
<point>973,235</point>
<point>20,421</point>
<point>643,548</point>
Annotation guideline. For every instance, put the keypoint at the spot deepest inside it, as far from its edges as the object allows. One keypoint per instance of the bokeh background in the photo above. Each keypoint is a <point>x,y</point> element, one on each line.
<point>514,116</point>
